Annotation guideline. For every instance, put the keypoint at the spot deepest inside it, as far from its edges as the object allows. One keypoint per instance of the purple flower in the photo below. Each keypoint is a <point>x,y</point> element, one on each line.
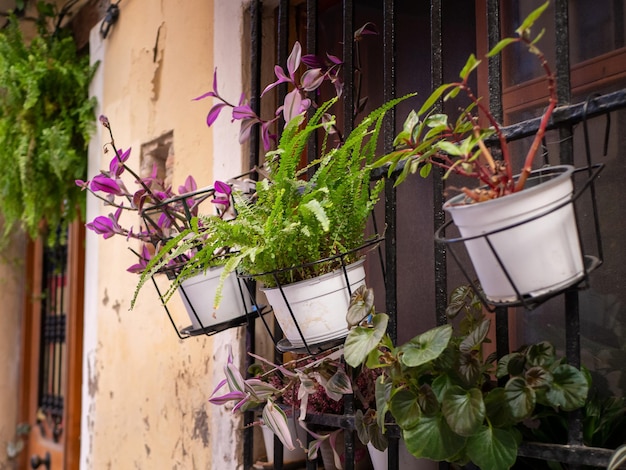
<point>116,167</point>
<point>105,184</point>
<point>106,226</point>
<point>189,186</point>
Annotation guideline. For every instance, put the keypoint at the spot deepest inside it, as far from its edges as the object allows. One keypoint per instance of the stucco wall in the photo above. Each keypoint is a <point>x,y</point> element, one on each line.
<point>145,392</point>
<point>11,310</point>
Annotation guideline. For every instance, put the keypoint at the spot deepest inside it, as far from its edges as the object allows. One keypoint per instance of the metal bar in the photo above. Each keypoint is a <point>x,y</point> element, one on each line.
<point>571,454</point>
<point>389,80</point>
<point>570,114</point>
<point>390,271</point>
<point>439,216</point>
<point>311,48</point>
<point>348,67</point>
<point>256,15</point>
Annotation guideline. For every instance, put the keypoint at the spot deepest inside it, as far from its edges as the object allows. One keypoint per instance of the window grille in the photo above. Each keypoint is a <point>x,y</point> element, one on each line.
<point>436,50</point>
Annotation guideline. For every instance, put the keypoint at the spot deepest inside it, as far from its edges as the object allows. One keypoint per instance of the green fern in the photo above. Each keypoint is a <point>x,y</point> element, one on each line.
<point>293,222</point>
<point>45,122</point>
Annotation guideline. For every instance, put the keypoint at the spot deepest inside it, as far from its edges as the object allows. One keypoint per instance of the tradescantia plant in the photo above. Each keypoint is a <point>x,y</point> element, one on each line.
<point>304,385</point>
<point>46,117</point>
<point>160,212</point>
<point>441,389</point>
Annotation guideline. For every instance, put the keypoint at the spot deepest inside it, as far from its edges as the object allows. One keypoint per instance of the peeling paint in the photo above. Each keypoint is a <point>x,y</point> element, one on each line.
<point>92,378</point>
<point>201,427</point>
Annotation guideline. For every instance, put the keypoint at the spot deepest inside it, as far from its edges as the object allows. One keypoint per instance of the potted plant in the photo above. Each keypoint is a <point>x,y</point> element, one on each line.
<point>441,389</point>
<point>163,214</point>
<point>45,123</point>
<point>520,231</point>
<point>298,232</point>
<point>288,393</point>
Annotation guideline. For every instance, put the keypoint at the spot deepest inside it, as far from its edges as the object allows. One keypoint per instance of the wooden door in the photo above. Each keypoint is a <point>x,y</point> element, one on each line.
<point>52,353</point>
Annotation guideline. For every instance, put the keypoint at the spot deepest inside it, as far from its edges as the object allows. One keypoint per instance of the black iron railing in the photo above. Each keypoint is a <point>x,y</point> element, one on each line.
<point>564,118</point>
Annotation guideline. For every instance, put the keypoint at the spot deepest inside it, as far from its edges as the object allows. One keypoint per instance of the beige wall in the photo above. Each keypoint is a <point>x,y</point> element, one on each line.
<point>145,392</point>
<point>11,310</point>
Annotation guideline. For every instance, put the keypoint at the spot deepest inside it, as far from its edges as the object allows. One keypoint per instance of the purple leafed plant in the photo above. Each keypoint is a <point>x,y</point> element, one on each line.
<point>162,212</point>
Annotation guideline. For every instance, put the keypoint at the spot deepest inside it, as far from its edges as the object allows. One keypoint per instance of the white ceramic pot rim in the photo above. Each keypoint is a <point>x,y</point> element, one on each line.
<point>316,279</point>
<point>555,180</point>
<point>554,176</point>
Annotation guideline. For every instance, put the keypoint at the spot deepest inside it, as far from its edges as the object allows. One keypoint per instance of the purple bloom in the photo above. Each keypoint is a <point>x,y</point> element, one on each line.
<point>105,184</point>
<point>82,184</point>
<point>189,186</point>
<point>106,226</point>
<point>116,167</point>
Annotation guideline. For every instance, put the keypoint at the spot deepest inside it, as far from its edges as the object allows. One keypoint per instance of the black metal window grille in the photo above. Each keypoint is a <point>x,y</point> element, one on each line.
<point>434,48</point>
<point>53,338</point>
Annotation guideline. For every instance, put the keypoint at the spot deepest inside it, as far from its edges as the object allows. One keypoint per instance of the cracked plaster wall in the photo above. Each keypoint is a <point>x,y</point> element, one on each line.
<point>145,392</point>
<point>11,310</point>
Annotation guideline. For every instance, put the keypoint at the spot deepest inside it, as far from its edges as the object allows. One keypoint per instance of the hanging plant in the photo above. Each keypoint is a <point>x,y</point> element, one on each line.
<point>46,117</point>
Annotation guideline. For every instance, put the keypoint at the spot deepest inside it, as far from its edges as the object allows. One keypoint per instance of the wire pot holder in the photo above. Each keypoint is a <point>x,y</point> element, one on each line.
<point>185,204</point>
<point>455,245</point>
<point>311,347</point>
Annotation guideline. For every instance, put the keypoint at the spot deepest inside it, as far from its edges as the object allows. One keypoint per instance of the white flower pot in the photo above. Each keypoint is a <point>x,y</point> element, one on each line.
<point>379,459</point>
<point>200,290</point>
<point>319,305</point>
<point>542,255</point>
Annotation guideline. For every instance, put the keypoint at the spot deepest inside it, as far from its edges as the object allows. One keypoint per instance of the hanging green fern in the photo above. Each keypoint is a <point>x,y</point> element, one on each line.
<point>46,118</point>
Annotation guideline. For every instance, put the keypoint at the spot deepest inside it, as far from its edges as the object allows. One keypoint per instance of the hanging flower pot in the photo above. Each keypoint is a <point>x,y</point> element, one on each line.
<point>314,310</point>
<point>198,295</point>
<point>525,244</point>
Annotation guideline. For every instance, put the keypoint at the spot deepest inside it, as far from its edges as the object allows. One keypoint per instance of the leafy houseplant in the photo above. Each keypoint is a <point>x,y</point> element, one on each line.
<point>296,228</point>
<point>504,210</point>
<point>299,229</point>
<point>441,391</point>
<point>46,117</point>
<point>302,386</point>
<point>165,214</point>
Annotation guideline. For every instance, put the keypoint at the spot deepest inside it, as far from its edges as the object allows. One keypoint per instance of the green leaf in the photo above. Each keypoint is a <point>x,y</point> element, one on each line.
<point>314,207</point>
<point>476,337</point>
<point>538,377</point>
<point>361,305</point>
<point>469,66</point>
<point>520,397</point>
<point>382,391</point>
<point>362,340</point>
<point>464,410</point>
<point>435,95</point>
<point>501,45</point>
<point>433,439</point>
<point>339,383</point>
<point>410,122</point>
<point>404,407</point>
<point>569,388</point>
<point>425,169</point>
<point>437,121</point>
<point>530,19</point>
<point>493,449</point>
<point>541,354</point>
<point>498,409</point>
<point>426,347</point>
<point>449,148</point>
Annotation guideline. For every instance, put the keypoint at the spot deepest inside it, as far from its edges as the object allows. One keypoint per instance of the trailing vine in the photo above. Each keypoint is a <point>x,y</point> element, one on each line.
<point>46,117</point>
